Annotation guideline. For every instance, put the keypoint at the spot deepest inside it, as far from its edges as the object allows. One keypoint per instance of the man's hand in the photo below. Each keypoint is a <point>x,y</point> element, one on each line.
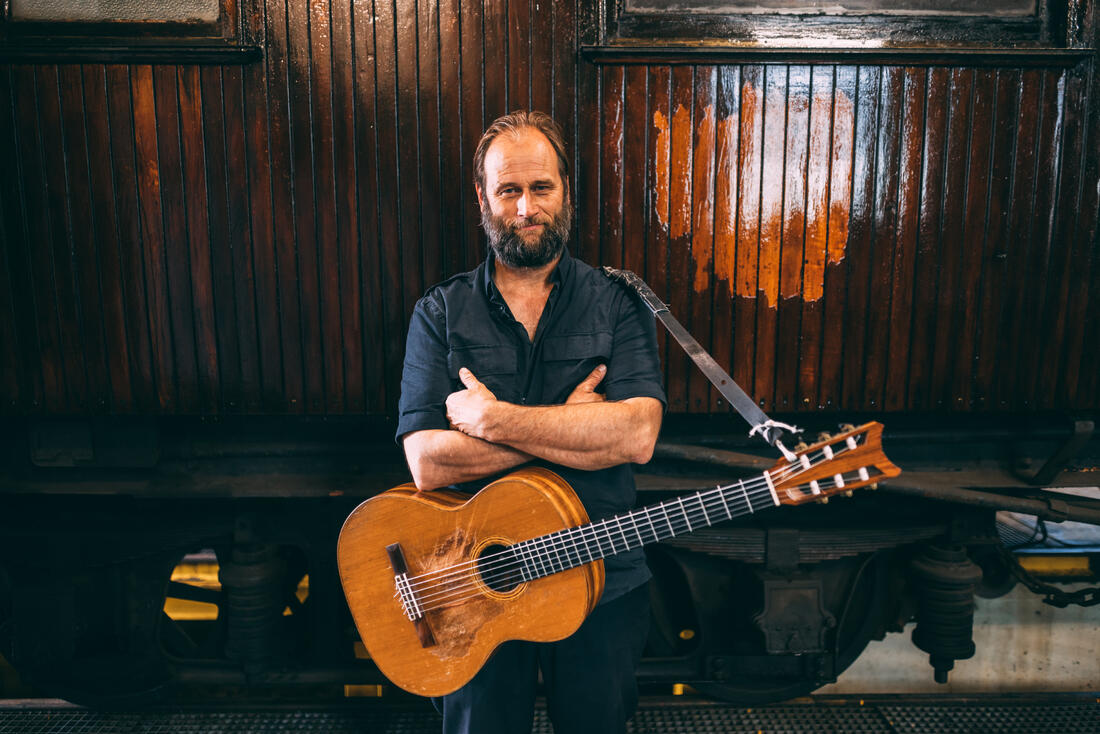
<point>467,409</point>
<point>585,391</point>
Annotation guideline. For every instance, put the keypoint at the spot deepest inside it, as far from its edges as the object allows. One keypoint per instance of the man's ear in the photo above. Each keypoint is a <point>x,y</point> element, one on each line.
<point>480,198</point>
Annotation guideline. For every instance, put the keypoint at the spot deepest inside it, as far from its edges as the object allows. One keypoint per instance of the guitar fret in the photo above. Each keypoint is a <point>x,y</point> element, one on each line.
<point>619,522</point>
<point>725,506</point>
<point>684,511</point>
<point>520,551</point>
<point>652,527</point>
<point>664,510</point>
<point>741,484</point>
<point>703,507</point>
<point>637,527</point>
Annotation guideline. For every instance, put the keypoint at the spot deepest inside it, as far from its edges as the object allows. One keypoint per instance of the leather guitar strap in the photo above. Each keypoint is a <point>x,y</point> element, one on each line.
<point>771,431</point>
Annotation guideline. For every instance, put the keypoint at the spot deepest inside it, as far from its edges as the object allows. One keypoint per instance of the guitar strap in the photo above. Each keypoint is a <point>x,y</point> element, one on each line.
<point>771,431</point>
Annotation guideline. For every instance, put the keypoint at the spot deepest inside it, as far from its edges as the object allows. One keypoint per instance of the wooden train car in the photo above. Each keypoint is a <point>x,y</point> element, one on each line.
<point>214,226</point>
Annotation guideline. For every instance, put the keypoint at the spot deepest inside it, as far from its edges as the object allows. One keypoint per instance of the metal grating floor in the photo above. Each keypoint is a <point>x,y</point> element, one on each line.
<point>842,716</point>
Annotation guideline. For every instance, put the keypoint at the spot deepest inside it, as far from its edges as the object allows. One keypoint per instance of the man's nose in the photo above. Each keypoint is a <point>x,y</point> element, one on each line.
<point>524,207</point>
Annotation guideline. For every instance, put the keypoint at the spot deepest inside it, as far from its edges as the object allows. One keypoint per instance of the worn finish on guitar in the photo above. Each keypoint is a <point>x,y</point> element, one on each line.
<point>468,620</point>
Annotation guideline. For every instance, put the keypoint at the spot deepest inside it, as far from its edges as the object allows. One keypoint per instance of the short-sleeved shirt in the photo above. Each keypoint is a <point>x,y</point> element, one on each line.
<point>588,320</point>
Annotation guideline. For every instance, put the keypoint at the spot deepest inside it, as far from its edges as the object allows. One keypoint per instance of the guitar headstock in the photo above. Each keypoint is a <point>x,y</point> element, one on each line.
<point>834,465</point>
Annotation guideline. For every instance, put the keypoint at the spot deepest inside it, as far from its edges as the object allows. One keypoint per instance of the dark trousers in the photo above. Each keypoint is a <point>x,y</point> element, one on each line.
<point>588,678</point>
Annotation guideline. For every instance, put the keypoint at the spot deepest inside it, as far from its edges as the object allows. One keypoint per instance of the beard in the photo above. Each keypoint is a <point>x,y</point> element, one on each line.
<point>511,249</point>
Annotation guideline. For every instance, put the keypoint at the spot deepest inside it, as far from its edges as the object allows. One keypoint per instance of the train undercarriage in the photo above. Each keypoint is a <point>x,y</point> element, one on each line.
<point>140,559</point>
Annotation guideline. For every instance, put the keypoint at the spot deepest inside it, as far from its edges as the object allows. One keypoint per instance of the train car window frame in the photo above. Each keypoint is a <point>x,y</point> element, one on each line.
<point>762,24</point>
<point>65,40</point>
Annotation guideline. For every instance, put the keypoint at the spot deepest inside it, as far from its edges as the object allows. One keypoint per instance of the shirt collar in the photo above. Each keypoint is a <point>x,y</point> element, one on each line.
<point>560,276</point>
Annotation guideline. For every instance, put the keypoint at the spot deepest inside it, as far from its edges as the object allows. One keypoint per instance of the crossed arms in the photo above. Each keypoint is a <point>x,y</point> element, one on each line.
<point>490,435</point>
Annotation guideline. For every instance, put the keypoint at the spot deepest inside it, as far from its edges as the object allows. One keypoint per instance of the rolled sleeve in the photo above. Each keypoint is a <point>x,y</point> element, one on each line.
<point>425,383</point>
<point>634,370</point>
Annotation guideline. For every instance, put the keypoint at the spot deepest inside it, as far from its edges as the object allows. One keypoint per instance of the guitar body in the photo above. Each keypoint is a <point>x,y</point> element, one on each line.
<point>467,619</point>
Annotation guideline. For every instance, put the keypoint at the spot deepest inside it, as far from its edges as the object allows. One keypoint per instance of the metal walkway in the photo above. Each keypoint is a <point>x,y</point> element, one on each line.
<point>889,715</point>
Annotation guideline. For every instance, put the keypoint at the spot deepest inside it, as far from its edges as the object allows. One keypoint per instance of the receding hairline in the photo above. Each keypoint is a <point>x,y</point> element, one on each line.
<point>516,124</point>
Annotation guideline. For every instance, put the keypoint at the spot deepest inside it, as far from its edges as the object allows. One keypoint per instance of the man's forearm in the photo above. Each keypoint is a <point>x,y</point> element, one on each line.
<point>439,458</point>
<point>587,436</point>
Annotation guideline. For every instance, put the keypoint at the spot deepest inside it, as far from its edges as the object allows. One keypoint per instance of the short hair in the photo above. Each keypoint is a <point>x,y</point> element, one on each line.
<point>513,124</point>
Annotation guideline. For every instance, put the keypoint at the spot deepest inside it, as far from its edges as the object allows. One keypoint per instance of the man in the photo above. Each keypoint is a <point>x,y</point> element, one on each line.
<point>535,356</point>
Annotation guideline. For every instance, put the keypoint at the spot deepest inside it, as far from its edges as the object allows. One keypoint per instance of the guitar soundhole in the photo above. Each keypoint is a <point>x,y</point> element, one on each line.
<point>499,568</point>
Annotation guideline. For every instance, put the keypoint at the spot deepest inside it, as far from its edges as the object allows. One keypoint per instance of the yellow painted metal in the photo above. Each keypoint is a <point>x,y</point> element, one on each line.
<point>1056,566</point>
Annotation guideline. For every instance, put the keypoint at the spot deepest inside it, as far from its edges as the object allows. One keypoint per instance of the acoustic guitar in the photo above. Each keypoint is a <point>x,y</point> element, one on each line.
<point>437,580</point>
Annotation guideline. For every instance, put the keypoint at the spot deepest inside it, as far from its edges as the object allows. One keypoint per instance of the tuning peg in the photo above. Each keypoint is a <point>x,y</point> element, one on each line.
<point>801,446</point>
<point>845,427</point>
<point>848,493</point>
<point>873,485</point>
<point>823,436</point>
<point>824,500</point>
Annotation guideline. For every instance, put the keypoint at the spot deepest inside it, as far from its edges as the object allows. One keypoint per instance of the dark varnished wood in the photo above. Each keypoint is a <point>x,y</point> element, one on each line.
<point>889,229</point>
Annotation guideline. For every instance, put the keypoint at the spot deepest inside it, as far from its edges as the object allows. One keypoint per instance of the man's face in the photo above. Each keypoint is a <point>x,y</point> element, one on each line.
<point>525,207</point>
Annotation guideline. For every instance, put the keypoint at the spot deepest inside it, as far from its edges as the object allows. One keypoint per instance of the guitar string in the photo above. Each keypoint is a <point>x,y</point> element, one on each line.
<point>470,591</point>
<point>498,565</point>
<point>503,564</point>
<point>756,487</point>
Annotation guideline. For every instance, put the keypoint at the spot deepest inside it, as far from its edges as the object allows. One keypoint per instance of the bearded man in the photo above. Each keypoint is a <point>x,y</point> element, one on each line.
<point>535,357</point>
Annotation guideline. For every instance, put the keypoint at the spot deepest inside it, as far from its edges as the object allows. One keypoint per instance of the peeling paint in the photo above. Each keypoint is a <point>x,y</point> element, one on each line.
<point>660,169</point>
<point>745,211</point>
<point>680,209</point>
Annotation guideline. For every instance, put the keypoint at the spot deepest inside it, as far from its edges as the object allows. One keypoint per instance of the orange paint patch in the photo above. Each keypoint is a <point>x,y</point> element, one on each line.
<point>660,169</point>
<point>738,226</point>
<point>680,209</point>
<point>702,241</point>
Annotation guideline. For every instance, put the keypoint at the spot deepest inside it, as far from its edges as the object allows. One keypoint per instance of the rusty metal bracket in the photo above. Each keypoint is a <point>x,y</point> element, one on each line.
<point>1082,433</point>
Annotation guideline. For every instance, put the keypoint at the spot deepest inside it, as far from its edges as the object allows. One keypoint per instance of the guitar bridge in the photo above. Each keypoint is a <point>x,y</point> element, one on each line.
<point>408,598</point>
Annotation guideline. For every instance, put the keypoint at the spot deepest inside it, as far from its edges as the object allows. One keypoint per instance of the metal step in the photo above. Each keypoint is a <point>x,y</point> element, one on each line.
<point>1065,714</point>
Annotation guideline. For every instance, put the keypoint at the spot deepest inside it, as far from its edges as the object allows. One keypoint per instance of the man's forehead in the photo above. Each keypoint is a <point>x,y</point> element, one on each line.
<point>527,152</point>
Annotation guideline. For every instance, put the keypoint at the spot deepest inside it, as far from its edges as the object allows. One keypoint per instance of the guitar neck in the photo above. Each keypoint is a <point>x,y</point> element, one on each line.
<point>833,465</point>
<point>572,547</point>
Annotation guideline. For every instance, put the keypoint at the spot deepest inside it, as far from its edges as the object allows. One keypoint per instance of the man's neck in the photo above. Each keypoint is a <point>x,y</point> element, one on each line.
<point>511,280</point>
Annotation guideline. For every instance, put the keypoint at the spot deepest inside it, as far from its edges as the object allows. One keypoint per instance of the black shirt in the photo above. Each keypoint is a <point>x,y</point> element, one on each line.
<point>588,320</point>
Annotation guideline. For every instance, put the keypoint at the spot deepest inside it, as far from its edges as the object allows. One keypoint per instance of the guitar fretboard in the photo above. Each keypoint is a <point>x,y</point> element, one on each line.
<point>572,547</point>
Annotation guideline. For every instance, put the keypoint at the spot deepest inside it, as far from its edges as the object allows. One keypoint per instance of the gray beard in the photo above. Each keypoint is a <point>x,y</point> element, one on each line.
<point>510,248</point>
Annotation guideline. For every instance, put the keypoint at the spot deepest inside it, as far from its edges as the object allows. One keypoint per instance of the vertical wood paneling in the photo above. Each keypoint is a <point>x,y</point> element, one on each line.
<point>305,132</point>
<point>177,256</point>
<point>59,242</point>
<point>326,260</point>
<point>884,225</point>
<point>197,204</point>
<point>793,233</point>
<point>702,225</point>
<point>659,150</point>
<point>152,234</point>
<point>726,144</point>
<point>82,256</point>
<point>106,235</point>
<point>896,364</point>
<point>680,273</point>
<point>1041,227</point>
<point>611,169</point>
<point>816,241</point>
<point>260,96</point>
<point>375,319</point>
<point>997,236</point>
<point>17,389</point>
<point>859,253</point>
<point>750,166</point>
<point>252,239</point>
<point>835,290</point>
<point>348,254</point>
